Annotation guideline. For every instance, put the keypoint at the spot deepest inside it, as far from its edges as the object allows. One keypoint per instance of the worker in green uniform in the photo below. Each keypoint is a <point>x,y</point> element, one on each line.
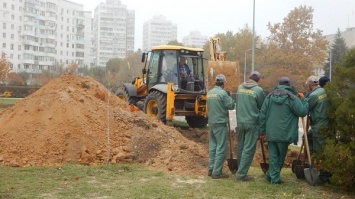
<point>249,99</point>
<point>218,104</point>
<point>279,121</point>
<point>318,104</point>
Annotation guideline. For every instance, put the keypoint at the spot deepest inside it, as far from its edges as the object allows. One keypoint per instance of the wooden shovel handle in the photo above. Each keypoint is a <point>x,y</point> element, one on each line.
<point>305,131</point>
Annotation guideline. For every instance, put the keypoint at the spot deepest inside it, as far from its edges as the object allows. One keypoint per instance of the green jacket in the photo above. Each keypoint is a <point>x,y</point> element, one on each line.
<point>279,115</point>
<point>250,98</point>
<point>318,104</point>
<point>218,103</point>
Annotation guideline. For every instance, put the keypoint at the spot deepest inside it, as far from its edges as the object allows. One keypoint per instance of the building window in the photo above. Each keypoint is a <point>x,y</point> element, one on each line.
<point>4,35</point>
<point>4,5</point>
<point>19,47</point>
<point>13,17</point>
<point>12,7</point>
<point>4,45</point>
<point>12,36</point>
<point>4,25</point>
<point>19,57</point>
<point>12,46</point>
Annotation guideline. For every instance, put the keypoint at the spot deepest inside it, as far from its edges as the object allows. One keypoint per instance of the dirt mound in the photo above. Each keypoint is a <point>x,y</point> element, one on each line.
<point>75,119</point>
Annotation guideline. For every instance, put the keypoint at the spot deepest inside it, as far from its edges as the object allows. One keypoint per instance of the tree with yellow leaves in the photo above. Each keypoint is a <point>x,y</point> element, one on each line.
<point>294,48</point>
<point>4,67</point>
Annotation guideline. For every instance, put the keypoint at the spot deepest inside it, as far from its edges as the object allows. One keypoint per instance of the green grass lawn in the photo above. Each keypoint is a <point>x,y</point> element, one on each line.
<point>135,181</point>
<point>7,102</point>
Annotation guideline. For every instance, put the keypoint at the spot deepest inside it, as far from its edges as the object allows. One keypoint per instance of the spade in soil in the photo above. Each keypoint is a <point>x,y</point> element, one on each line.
<point>232,163</point>
<point>311,174</point>
<point>264,166</point>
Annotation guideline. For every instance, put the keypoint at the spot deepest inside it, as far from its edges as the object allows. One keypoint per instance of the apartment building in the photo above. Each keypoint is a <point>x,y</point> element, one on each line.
<point>42,35</point>
<point>195,39</point>
<point>158,31</point>
<point>349,38</point>
<point>113,31</point>
<point>11,28</point>
<point>348,35</point>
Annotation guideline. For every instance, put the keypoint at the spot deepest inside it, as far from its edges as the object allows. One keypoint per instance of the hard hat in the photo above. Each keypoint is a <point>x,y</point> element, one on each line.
<point>221,78</point>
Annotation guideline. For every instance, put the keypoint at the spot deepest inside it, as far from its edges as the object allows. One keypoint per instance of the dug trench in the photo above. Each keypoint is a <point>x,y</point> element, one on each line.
<point>75,119</point>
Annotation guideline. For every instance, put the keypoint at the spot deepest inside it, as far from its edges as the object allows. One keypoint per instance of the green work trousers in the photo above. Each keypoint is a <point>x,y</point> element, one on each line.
<point>277,154</point>
<point>317,140</point>
<point>247,137</point>
<point>217,148</point>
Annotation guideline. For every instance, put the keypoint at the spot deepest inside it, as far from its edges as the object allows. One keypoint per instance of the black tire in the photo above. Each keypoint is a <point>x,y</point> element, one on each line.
<point>196,121</point>
<point>155,105</point>
<point>122,93</point>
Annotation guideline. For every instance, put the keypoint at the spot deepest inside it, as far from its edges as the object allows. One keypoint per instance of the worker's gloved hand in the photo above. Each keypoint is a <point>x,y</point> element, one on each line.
<point>229,93</point>
<point>300,95</point>
<point>262,136</point>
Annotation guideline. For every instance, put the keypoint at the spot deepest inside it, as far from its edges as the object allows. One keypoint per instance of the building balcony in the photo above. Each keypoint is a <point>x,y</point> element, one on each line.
<point>51,36</point>
<point>45,63</point>
<point>52,9</point>
<point>28,61</point>
<point>28,32</point>
<point>51,45</point>
<point>30,42</point>
<point>51,18</point>
<point>80,26</point>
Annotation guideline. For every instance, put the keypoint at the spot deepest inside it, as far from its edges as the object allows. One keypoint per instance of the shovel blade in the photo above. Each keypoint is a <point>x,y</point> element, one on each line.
<point>311,175</point>
<point>299,171</point>
<point>264,167</point>
<point>232,165</point>
<point>295,163</point>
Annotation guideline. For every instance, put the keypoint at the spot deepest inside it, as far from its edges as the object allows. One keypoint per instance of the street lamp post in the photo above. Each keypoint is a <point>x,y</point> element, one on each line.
<point>330,64</point>
<point>253,43</point>
<point>258,46</point>
<point>245,62</point>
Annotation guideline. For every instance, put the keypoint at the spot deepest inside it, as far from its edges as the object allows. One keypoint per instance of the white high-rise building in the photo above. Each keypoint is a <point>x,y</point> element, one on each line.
<point>195,39</point>
<point>158,31</point>
<point>113,28</point>
<point>39,35</point>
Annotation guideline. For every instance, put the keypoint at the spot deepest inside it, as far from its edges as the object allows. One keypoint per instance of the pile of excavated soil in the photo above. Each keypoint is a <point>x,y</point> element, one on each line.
<point>75,119</point>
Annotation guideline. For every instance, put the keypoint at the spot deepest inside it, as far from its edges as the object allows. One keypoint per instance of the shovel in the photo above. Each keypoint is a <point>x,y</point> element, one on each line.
<point>232,163</point>
<point>311,174</point>
<point>297,161</point>
<point>299,165</point>
<point>264,166</point>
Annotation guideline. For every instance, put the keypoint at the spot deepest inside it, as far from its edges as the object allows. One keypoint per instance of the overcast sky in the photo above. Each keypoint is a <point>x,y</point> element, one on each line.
<point>212,17</point>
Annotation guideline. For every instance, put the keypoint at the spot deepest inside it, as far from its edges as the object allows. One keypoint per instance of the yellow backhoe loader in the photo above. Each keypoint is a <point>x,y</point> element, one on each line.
<point>164,93</point>
<point>6,94</point>
<point>218,63</point>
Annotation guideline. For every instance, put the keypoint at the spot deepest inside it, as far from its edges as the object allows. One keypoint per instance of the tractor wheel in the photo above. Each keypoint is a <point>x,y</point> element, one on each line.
<point>196,121</point>
<point>155,105</point>
<point>122,93</point>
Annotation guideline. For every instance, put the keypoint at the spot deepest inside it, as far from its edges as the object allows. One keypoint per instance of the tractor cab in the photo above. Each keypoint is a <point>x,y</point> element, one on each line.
<point>181,66</point>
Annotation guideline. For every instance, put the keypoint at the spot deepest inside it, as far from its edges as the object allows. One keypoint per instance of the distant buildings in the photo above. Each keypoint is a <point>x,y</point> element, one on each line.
<point>41,35</point>
<point>349,38</point>
<point>158,31</point>
<point>113,29</point>
<point>195,39</point>
<point>348,35</point>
